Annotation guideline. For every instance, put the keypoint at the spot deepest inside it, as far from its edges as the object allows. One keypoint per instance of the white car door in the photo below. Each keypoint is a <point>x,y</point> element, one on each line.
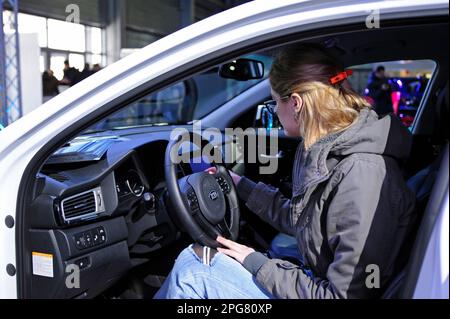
<point>26,142</point>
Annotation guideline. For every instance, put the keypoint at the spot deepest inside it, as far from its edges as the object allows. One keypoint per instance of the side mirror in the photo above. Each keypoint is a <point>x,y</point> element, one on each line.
<point>242,70</point>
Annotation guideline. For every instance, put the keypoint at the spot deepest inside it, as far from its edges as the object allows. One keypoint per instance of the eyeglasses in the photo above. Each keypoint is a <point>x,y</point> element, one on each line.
<point>272,105</point>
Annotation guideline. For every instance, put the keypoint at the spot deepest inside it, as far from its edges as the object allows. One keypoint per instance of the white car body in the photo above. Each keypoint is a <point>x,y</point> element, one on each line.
<point>240,26</point>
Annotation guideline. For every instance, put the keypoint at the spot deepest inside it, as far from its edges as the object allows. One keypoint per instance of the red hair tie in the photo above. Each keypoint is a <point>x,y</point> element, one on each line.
<point>340,76</point>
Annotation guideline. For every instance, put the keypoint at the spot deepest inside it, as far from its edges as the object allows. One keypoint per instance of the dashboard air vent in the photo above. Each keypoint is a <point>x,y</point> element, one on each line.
<point>83,205</point>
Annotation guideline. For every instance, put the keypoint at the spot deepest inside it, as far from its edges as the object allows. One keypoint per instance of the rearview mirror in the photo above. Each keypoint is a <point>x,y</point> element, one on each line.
<point>242,70</point>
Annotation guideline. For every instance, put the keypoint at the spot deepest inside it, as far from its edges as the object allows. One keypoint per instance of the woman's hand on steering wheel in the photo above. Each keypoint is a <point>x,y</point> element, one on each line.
<point>233,249</point>
<point>236,178</point>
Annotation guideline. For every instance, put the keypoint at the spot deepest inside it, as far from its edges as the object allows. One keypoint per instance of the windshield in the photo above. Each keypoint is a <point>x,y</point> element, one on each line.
<point>182,102</point>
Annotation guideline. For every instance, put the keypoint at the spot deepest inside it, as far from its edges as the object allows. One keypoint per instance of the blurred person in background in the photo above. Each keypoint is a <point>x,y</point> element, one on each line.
<point>49,85</point>
<point>86,72</point>
<point>380,91</point>
<point>96,67</point>
<point>71,75</point>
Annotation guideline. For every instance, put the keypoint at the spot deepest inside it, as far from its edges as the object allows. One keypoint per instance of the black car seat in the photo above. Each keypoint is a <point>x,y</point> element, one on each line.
<point>422,184</point>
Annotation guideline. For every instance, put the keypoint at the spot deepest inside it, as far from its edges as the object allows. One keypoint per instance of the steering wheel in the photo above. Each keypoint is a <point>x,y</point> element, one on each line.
<point>206,205</point>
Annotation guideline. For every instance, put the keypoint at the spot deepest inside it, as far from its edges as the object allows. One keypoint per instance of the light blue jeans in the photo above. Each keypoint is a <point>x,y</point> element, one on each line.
<point>223,278</point>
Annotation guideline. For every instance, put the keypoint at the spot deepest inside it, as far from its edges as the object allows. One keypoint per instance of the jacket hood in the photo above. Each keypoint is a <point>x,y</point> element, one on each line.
<point>386,136</point>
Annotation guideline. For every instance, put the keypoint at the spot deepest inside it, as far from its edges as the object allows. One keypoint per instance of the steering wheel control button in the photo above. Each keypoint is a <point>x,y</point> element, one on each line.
<point>224,186</point>
<point>192,201</point>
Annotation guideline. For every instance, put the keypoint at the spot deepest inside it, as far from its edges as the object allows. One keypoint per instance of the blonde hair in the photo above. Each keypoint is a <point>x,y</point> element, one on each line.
<point>306,70</point>
<point>325,110</point>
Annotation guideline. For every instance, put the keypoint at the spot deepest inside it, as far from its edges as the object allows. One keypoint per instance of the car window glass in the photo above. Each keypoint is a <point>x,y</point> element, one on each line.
<point>398,89</point>
<point>182,102</point>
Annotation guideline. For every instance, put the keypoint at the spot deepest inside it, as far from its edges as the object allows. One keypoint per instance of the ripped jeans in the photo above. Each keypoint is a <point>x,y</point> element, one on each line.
<point>223,278</point>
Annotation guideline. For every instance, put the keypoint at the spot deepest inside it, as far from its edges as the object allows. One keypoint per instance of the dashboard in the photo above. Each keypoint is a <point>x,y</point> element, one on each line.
<point>100,203</point>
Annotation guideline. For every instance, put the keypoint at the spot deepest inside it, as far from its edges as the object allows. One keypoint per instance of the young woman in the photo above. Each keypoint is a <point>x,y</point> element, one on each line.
<point>350,210</point>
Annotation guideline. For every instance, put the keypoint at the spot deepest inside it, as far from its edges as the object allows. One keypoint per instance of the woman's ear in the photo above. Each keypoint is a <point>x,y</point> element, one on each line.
<point>298,102</point>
